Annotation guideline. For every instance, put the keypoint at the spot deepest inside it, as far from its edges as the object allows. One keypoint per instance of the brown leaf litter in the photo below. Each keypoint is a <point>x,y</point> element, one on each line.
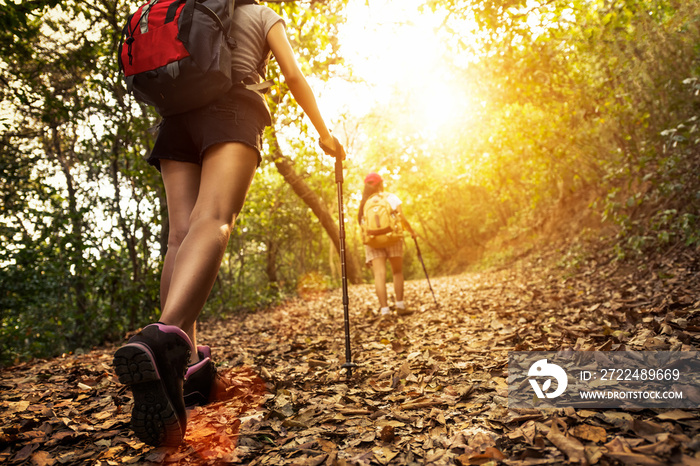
<point>430,387</point>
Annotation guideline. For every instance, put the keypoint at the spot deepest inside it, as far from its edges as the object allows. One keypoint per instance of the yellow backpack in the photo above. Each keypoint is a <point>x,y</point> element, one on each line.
<point>381,225</point>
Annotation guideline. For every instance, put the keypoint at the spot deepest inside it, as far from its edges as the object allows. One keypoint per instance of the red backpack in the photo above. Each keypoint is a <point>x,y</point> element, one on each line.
<point>176,54</point>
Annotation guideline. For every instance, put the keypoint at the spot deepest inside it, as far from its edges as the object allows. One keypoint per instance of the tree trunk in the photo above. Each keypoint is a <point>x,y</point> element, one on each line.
<point>286,168</point>
<point>271,265</point>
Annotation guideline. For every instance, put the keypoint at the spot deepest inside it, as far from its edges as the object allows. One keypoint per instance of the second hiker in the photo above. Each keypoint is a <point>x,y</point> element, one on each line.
<point>382,223</point>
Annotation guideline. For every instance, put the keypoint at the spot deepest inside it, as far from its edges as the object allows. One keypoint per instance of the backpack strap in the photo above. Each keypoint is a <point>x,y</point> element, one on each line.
<point>262,87</point>
<point>172,11</point>
<point>187,14</point>
<point>253,82</point>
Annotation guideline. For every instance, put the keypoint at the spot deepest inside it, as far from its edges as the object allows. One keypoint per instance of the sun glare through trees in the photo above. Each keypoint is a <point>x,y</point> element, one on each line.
<point>399,51</point>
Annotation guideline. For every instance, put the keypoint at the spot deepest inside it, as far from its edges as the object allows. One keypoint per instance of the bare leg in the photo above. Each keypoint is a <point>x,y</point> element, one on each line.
<point>182,187</point>
<point>379,270</point>
<point>226,173</point>
<point>397,272</point>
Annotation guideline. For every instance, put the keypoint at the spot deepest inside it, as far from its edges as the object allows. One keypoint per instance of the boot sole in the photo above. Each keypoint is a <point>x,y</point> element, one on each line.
<point>153,418</point>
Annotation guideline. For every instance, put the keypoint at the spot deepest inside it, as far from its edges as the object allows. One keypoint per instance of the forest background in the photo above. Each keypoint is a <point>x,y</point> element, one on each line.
<point>571,123</point>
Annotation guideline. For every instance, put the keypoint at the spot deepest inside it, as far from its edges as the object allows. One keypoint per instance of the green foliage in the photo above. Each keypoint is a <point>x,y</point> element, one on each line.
<point>662,209</point>
<point>83,215</point>
<point>77,266</point>
<point>575,101</point>
<point>18,22</point>
<point>559,101</point>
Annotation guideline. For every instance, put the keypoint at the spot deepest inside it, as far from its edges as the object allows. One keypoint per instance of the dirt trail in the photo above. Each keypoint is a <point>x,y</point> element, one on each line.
<point>430,387</point>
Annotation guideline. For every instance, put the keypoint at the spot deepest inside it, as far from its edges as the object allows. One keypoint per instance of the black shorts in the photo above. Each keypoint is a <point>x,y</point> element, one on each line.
<point>187,136</point>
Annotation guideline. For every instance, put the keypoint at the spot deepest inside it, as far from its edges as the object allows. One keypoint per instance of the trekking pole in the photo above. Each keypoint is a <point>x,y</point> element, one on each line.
<point>339,157</point>
<point>420,257</point>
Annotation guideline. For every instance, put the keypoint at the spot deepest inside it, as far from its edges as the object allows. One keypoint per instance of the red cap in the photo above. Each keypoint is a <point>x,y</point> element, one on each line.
<point>373,179</point>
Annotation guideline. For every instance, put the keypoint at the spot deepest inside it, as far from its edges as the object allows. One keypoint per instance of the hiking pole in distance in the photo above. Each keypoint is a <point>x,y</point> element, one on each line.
<point>339,155</point>
<point>420,257</point>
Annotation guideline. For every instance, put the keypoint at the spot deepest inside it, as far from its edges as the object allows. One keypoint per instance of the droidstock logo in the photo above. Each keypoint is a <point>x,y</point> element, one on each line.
<point>541,369</point>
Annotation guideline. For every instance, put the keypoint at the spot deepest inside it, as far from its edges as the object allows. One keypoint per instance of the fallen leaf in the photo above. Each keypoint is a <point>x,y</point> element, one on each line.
<point>570,446</point>
<point>676,415</point>
<point>588,432</point>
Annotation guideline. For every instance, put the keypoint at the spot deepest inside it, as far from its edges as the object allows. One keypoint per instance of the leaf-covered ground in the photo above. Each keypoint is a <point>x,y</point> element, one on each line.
<point>430,387</point>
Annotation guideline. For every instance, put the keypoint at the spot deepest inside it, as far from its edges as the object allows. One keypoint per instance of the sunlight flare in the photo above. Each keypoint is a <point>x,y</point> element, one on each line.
<point>397,50</point>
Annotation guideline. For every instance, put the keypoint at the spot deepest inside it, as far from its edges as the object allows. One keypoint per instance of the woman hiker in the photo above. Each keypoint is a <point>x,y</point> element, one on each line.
<point>377,257</point>
<point>207,158</point>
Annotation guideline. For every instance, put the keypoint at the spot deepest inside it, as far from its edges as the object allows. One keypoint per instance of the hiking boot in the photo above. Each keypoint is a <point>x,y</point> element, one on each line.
<point>201,381</point>
<point>153,364</point>
<point>403,311</point>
